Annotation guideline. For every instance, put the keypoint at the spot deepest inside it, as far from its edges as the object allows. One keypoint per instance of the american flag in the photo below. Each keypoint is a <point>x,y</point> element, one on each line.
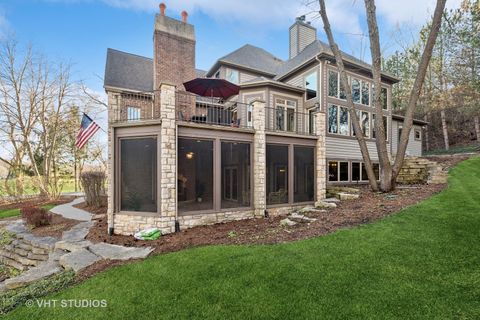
<point>88,127</point>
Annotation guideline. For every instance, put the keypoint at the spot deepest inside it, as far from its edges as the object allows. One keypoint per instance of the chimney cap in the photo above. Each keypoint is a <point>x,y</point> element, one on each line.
<point>184,16</point>
<point>162,6</point>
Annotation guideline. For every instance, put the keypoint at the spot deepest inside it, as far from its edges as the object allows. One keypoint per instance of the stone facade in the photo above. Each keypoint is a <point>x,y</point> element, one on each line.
<point>259,159</point>
<point>190,221</point>
<point>321,154</point>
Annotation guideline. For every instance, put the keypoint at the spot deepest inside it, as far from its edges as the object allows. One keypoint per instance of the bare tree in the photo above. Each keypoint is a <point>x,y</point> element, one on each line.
<point>389,172</point>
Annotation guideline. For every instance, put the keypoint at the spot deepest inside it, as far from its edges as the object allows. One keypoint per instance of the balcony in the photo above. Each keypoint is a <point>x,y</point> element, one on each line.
<point>289,121</point>
<point>212,111</point>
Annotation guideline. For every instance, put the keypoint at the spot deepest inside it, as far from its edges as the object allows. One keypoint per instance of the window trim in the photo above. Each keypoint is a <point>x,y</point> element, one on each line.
<point>286,107</point>
<point>419,131</point>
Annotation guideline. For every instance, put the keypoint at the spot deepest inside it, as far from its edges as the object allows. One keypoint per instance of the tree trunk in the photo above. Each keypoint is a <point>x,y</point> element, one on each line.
<point>444,129</point>
<point>417,86</point>
<point>348,92</point>
<point>477,127</point>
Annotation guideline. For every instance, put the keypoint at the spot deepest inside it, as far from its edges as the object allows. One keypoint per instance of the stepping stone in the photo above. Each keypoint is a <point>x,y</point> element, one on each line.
<point>323,204</point>
<point>47,243</point>
<point>78,260</point>
<point>347,196</point>
<point>300,218</point>
<point>75,235</point>
<point>114,252</point>
<point>17,227</point>
<point>56,255</point>
<point>72,246</point>
<point>42,271</point>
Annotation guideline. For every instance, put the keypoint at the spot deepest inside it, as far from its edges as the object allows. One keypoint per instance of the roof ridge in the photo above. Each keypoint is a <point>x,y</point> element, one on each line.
<point>130,54</point>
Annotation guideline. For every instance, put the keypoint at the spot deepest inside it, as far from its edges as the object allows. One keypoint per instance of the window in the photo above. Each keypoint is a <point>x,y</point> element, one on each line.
<point>332,171</point>
<point>385,126</point>
<point>195,175</point>
<point>304,174</point>
<point>363,117</point>
<point>217,74</point>
<point>338,171</point>
<point>332,119</point>
<point>355,171</point>
<point>418,134</point>
<point>311,85</point>
<point>249,115</point>
<point>133,113</point>
<point>343,124</point>
<point>376,170</point>
<point>285,115</point>
<point>333,84</point>
<point>277,174</point>
<point>235,168</point>
<point>364,173</point>
<point>138,174</point>
<point>365,93</point>
<point>356,90</point>
<point>233,76</point>
<point>384,98</point>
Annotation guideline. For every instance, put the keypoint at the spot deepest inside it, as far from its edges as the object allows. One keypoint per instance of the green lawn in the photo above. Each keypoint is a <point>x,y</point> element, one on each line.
<point>421,263</point>
<point>16,212</point>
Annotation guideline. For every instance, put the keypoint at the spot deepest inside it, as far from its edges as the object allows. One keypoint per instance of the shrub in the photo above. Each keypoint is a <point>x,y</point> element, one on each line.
<point>36,216</point>
<point>93,183</point>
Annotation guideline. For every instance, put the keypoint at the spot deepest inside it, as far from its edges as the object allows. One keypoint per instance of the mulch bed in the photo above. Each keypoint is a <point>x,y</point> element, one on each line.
<point>371,206</point>
<point>91,209</point>
<point>58,225</point>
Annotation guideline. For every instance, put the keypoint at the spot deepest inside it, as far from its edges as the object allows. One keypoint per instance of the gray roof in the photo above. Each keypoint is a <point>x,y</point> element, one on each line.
<point>251,57</point>
<point>314,49</point>
<point>128,71</point>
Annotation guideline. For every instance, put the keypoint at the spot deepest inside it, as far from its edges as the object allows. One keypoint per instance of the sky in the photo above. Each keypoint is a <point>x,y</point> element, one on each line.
<point>80,31</point>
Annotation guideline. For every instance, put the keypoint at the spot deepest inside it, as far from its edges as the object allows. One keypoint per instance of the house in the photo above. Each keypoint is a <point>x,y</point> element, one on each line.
<point>177,160</point>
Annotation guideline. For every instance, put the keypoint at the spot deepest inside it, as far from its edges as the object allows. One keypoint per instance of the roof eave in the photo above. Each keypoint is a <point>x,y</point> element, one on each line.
<point>231,64</point>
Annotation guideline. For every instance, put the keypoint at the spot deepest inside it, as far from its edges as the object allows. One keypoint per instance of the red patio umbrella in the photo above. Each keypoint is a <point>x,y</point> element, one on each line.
<point>212,87</point>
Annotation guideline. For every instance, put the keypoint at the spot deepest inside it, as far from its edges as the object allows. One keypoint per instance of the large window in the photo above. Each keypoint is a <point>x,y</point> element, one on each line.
<point>233,76</point>
<point>356,95</point>
<point>385,126</point>
<point>335,86</point>
<point>304,174</point>
<point>277,174</point>
<point>138,174</point>
<point>364,118</point>
<point>285,115</point>
<point>235,175</point>
<point>338,120</point>
<point>195,175</point>
<point>361,91</point>
<point>311,85</point>
<point>365,93</point>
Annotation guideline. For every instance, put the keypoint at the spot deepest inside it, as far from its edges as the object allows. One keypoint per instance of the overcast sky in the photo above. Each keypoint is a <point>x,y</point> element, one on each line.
<point>80,31</point>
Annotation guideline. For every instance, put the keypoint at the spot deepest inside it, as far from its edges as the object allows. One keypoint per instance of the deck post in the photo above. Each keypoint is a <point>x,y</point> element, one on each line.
<point>259,158</point>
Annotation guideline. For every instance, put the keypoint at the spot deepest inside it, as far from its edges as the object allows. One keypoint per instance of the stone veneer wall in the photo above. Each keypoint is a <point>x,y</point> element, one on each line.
<point>321,155</point>
<point>259,159</point>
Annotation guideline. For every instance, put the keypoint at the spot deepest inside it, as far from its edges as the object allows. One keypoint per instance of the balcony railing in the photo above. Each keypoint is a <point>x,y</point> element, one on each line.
<point>133,107</point>
<point>289,120</point>
<point>212,111</point>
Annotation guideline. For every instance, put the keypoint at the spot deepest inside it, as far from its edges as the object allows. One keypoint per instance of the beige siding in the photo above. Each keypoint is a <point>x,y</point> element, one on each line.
<point>343,148</point>
<point>414,147</point>
<point>306,36</point>
<point>293,41</point>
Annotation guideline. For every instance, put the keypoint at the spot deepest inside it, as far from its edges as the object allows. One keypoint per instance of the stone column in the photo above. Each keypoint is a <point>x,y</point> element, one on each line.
<point>259,159</point>
<point>321,162</point>
<point>113,115</point>
<point>168,157</point>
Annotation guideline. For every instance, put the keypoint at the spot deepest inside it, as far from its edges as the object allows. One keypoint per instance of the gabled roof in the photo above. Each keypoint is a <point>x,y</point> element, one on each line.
<point>319,48</point>
<point>128,71</point>
<point>132,72</point>
<point>250,57</point>
<point>400,118</point>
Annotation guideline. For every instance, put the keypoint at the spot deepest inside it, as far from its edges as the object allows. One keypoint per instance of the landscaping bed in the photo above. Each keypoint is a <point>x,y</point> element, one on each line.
<point>56,227</point>
<point>8,210</point>
<point>371,206</point>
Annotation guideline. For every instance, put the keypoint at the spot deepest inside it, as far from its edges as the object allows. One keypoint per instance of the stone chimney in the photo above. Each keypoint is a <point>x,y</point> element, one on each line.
<point>173,50</point>
<point>301,35</point>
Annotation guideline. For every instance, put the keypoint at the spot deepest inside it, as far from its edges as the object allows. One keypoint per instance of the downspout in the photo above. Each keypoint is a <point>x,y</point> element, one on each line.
<point>177,223</point>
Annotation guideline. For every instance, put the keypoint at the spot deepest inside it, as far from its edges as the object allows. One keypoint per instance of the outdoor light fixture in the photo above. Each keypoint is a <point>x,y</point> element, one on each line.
<point>189,155</point>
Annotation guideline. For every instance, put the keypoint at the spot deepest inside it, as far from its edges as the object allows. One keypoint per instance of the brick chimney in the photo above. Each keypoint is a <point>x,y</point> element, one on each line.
<point>173,50</point>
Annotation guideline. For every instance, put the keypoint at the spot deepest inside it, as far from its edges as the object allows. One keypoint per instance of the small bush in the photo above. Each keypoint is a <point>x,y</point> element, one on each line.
<point>36,216</point>
<point>93,183</point>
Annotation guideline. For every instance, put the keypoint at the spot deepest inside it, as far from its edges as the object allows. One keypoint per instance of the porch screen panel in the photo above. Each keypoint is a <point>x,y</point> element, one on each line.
<point>235,171</point>
<point>277,174</point>
<point>138,174</point>
<point>195,175</point>
<point>304,174</point>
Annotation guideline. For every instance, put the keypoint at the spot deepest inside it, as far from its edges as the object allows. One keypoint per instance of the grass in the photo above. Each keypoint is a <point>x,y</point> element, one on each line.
<point>454,150</point>
<point>68,185</point>
<point>7,213</point>
<point>422,263</point>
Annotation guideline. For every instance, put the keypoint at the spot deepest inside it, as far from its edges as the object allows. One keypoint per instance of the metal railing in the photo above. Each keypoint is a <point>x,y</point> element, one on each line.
<point>212,111</point>
<point>289,120</point>
<point>133,107</point>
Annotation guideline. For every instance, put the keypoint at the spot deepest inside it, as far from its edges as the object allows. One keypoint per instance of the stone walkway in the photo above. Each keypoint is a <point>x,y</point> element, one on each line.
<point>68,211</point>
<point>71,252</point>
